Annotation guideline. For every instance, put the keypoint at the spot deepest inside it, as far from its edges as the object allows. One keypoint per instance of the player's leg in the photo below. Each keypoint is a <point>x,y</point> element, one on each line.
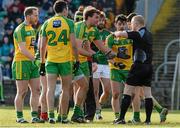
<point>96,82</point>
<point>22,88</point>
<point>64,98</point>
<point>78,114</point>
<point>136,103</point>
<point>115,87</point>
<point>21,73</point>
<point>161,110</point>
<point>52,74</point>
<point>42,99</point>
<point>105,82</point>
<point>51,85</point>
<point>34,85</point>
<point>65,71</point>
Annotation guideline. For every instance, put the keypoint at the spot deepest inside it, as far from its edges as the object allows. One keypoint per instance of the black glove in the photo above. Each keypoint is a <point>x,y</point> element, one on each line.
<point>76,66</point>
<point>122,53</point>
<point>42,70</point>
<point>119,65</point>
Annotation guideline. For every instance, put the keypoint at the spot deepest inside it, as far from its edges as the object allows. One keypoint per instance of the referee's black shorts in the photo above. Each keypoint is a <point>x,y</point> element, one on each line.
<point>140,75</point>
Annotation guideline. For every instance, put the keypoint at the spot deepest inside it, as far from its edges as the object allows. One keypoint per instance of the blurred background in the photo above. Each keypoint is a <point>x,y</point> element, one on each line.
<point>162,18</point>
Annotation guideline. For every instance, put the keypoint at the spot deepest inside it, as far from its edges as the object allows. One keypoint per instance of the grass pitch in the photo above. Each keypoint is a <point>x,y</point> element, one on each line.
<point>8,117</point>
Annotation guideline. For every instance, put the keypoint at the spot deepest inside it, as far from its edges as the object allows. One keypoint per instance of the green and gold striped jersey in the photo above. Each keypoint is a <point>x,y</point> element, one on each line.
<point>115,43</point>
<point>86,33</point>
<point>26,34</point>
<point>57,30</point>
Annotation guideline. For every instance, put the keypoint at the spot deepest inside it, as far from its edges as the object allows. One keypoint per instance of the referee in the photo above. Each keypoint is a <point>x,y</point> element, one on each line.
<point>140,73</point>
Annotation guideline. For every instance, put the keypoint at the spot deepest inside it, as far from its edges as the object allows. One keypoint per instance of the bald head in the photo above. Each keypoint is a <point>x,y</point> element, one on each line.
<point>138,19</point>
<point>137,22</point>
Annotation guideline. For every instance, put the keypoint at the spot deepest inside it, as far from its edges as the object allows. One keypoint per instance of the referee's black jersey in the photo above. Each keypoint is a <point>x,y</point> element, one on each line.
<point>142,39</point>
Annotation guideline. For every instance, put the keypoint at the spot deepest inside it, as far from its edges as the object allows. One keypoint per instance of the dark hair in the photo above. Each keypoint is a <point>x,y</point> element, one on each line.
<point>130,16</point>
<point>89,12</point>
<point>29,10</point>
<point>59,6</point>
<point>121,18</point>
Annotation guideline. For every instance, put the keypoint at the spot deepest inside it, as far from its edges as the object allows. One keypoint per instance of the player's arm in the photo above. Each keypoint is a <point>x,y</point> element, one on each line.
<point>131,35</point>
<point>87,47</point>
<point>74,46</point>
<point>73,40</point>
<point>82,51</point>
<point>24,51</point>
<point>20,39</point>
<point>42,42</point>
<point>99,44</point>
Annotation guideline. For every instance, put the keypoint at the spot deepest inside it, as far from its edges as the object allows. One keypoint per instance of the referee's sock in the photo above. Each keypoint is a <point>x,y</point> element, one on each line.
<point>126,101</point>
<point>148,107</point>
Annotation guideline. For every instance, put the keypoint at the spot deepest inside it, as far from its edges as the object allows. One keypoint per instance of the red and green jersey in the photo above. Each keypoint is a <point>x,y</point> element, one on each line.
<point>24,34</point>
<point>115,43</point>
<point>57,30</point>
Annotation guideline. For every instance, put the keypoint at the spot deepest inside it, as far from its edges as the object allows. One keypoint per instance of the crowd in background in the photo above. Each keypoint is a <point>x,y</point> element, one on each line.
<point>11,15</point>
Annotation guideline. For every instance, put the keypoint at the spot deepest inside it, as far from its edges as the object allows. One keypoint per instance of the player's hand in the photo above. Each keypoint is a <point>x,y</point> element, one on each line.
<point>120,65</point>
<point>42,70</point>
<point>98,57</point>
<point>37,62</point>
<point>94,67</point>
<point>110,55</point>
<point>76,66</point>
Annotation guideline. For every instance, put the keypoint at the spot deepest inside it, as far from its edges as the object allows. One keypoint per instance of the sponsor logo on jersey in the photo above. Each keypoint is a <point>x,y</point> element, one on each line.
<point>56,23</point>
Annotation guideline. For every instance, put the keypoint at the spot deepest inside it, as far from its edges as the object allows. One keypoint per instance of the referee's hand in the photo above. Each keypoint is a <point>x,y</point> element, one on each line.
<point>42,70</point>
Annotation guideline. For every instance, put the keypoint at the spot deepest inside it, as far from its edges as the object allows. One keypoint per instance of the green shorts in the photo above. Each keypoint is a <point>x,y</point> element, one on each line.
<point>78,74</point>
<point>84,66</point>
<point>62,69</point>
<point>24,70</point>
<point>118,75</point>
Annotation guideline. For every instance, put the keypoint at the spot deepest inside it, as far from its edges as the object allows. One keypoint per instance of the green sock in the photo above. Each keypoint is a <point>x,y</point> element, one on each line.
<point>64,116</point>
<point>116,115</point>
<point>59,118</point>
<point>136,115</point>
<point>77,110</point>
<point>157,106</point>
<point>81,112</point>
<point>1,93</point>
<point>19,114</point>
<point>51,114</point>
<point>34,114</point>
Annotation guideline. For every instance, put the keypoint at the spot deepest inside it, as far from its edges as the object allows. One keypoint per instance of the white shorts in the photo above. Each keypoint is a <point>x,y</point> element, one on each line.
<point>103,71</point>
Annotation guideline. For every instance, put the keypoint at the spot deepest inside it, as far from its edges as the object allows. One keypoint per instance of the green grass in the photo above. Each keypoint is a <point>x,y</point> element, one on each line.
<point>8,116</point>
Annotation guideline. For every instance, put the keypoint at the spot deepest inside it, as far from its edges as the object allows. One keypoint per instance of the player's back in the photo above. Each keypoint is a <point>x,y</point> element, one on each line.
<point>57,30</point>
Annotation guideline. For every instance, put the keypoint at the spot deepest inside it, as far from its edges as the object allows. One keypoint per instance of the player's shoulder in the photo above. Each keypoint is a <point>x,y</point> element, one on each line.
<point>20,27</point>
<point>79,23</point>
<point>68,20</point>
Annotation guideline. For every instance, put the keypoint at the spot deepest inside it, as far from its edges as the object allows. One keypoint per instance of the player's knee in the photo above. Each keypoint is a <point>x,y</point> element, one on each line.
<point>147,92</point>
<point>115,95</point>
